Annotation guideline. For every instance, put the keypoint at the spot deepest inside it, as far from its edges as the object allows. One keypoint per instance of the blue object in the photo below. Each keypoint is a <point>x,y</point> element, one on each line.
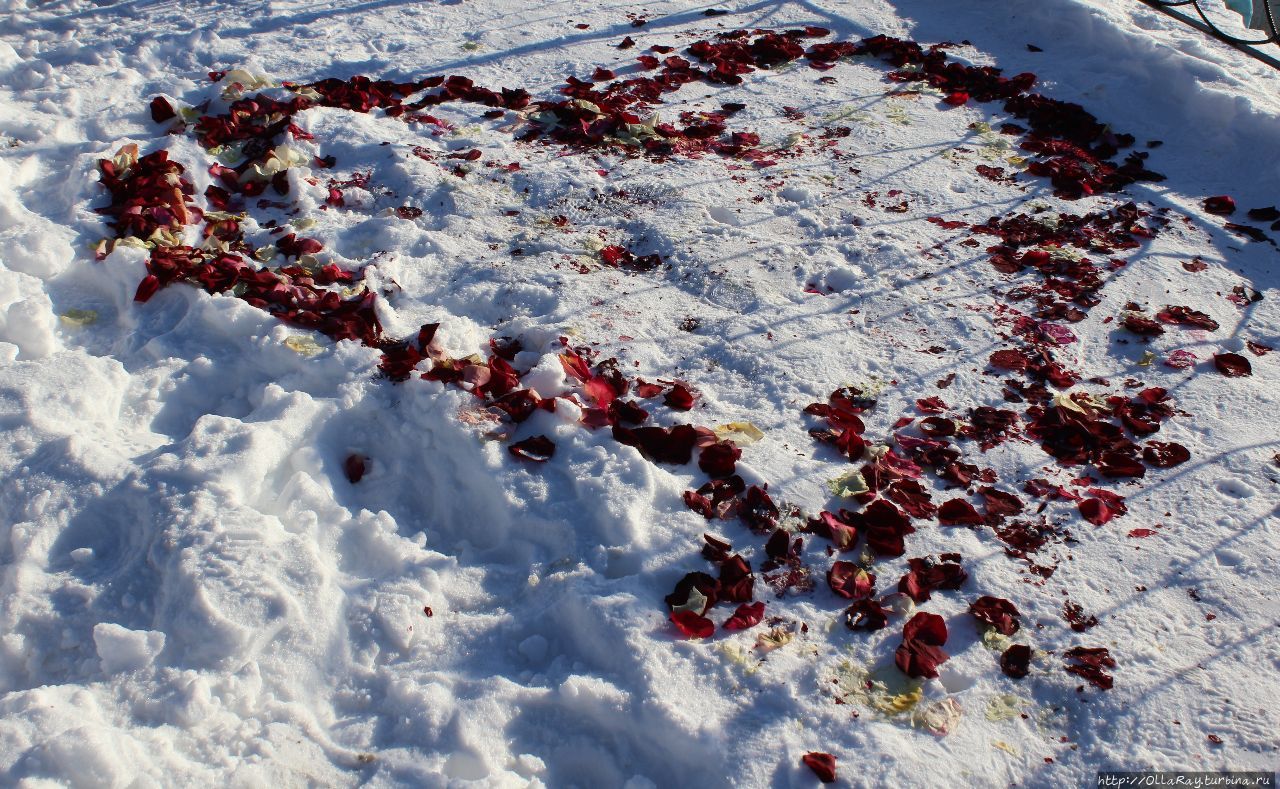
<point>1245,8</point>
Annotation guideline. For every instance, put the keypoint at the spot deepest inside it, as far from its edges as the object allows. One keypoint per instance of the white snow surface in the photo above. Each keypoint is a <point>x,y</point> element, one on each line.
<point>192,593</point>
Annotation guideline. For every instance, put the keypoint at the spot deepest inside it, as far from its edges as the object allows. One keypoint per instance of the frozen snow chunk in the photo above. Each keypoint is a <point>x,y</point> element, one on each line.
<point>8,57</point>
<point>1229,557</point>
<point>547,378</point>
<point>592,695</point>
<point>724,215</point>
<point>90,755</point>
<point>534,648</point>
<point>121,649</point>
<point>568,412</point>
<point>464,766</point>
<point>842,278</point>
<point>30,325</point>
<point>527,765</point>
<point>798,194</point>
<point>41,253</point>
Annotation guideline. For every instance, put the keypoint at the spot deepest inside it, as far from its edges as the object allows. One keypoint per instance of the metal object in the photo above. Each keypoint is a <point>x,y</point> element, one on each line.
<point>1265,11</point>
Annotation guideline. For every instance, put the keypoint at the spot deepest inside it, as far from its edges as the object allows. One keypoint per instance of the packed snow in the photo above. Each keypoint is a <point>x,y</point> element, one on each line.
<point>236,551</point>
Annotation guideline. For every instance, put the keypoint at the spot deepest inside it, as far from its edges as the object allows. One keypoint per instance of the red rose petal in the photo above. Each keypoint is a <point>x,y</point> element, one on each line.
<point>999,503</point>
<point>1096,511</point>
<point>354,467</point>
<point>1016,661</point>
<point>1180,360</point>
<point>1001,614</point>
<point>921,651</point>
<point>931,405</point>
<point>958,512</point>
<point>925,576</point>
<point>719,459</point>
<point>161,110</point>
<point>1222,205</point>
<point>1232,365</point>
<point>1165,454</point>
<point>147,288</point>
<point>679,397</point>
<point>822,764</point>
<point>850,581</point>
<point>539,449</point>
<point>866,615</point>
<point>692,625</point>
<point>1089,663</point>
<point>737,584</point>
<point>747,615</point>
<point>837,528</point>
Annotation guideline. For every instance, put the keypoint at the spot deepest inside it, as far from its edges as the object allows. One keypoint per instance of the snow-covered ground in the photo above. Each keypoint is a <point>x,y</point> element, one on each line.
<point>194,591</point>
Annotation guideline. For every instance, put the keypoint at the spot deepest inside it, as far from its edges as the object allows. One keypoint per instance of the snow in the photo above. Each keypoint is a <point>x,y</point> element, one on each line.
<point>192,592</point>
<point>122,649</point>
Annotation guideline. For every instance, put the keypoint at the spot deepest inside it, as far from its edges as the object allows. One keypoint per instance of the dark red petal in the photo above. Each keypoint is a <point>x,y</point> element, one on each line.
<point>354,467</point>
<point>647,390</point>
<point>699,504</point>
<point>822,764</point>
<point>1222,205</point>
<point>912,497</point>
<point>931,405</point>
<point>1095,511</point>
<point>161,110</point>
<point>850,581</point>
<point>843,535</point>
<point>536,448</point>
<point>926,575</point>
<point>679,397</point>
<point>1000,503</point>
<point>921,651</point>
<point>737,584</point>
<point>958,512</point>
<point>692,625</point>
<point>147,288</point>
<point>1016,661</point>
<point>1232,365</point>
<point>747,615</point>
<point>926,628</point>
<point>866,615</point>
<point>1090,663</point>
<point>1165,454</point>
<point>1001,614</point>
<point>707,586</point>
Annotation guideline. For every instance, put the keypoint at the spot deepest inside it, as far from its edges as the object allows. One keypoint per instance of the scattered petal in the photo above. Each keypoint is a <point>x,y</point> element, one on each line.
<point>1016,661</point>
<point>748,615</point>
<point>921,651</point>
<point>1222,205</point>
<point>822,764</point>
<point>536,448</point>
<point>355,467</point>
<point>850,581</point>
<point>692,625</point>
<point>997,612</point>
<point>1232,365</point>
